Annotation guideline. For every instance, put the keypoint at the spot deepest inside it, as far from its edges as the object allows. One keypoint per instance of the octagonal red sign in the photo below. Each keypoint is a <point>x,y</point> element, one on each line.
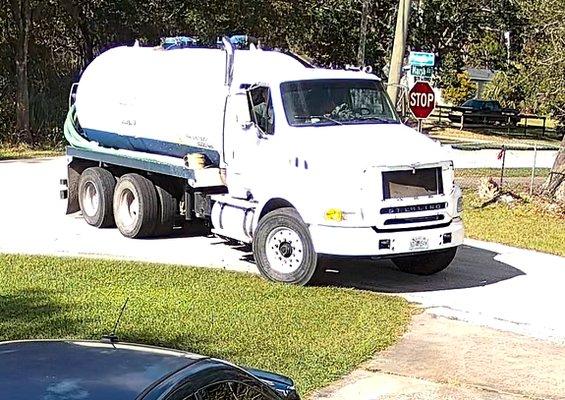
<point>422,100</point>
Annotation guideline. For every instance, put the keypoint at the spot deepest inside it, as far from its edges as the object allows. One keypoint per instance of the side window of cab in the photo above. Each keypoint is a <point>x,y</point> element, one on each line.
<point>261,108</point>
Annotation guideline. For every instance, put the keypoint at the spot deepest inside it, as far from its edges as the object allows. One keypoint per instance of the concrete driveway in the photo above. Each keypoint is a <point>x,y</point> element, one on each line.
<point>488,284</point>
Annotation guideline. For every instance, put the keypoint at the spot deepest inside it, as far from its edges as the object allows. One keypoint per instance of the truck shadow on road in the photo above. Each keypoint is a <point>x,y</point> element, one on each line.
<point>472,267</point>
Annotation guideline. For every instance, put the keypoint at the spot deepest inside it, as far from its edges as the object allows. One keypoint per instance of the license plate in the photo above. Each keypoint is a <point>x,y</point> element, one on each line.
<point>419,243</point>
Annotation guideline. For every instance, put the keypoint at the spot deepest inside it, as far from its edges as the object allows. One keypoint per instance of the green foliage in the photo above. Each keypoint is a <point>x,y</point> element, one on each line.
<point>23,152</point>
<point>461,91</point>
<point>507,89</point>
<point>488,52</point>
<point>542,62</point>
<point>313,335</point>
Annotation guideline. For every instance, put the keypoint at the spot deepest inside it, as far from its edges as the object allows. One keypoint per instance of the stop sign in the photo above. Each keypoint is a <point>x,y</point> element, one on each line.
<point>422,100</point>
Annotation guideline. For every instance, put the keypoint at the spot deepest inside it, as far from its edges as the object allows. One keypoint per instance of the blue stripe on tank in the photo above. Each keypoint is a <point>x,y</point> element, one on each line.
<point>109,139</point>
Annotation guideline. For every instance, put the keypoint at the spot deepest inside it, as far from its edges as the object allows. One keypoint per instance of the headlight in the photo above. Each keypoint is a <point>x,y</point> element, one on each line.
<point>460,204</point>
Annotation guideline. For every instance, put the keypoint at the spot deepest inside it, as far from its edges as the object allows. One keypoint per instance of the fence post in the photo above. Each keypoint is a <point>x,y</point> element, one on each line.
<point>533,170</point>
<point>543,129</point>
<point>462,118</point>
<point>503,152</point>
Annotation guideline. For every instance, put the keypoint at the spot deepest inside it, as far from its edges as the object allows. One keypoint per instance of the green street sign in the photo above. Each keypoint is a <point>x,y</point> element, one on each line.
<point>422,59</point>
<point>421,71</point>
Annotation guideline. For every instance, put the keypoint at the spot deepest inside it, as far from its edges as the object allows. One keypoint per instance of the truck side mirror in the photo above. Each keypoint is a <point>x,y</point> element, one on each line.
<point>245,125</point>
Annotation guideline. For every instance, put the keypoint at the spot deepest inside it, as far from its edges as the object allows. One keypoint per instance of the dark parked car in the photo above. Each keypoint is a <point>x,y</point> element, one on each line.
<point>89,370</point>
<point>477,111</point>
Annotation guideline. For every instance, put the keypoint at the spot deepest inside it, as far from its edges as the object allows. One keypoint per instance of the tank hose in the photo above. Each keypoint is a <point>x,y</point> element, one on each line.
<point>72,133</point>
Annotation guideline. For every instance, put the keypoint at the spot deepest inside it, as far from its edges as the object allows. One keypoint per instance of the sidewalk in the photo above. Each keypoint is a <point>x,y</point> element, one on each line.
<point>439,358</point>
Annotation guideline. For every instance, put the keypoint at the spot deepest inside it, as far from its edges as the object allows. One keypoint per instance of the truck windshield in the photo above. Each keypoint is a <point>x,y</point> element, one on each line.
<point>336,102</point>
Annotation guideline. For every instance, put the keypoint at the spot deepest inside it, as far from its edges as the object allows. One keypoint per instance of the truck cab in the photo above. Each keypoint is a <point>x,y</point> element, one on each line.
<point>329,147</point>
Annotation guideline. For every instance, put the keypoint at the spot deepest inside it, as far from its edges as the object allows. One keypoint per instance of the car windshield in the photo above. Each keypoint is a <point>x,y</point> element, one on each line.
<point>472,104</point>
<point>336,102</point>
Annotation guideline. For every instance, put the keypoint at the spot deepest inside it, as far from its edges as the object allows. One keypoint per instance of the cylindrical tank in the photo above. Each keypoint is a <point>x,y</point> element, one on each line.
<point>167,102</point>
<point>238,221</point>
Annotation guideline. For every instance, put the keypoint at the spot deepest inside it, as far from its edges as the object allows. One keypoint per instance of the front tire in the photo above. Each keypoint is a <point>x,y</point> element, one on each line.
<point>95,193</point>
<point>426,263</point>
<point>283,248</point>
<point>136,206</point>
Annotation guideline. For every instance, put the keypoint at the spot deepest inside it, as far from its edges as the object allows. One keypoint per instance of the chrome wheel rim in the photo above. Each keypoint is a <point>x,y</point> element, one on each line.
<point>128,209</point>
<point>285,250</point>
<point>90,199</point>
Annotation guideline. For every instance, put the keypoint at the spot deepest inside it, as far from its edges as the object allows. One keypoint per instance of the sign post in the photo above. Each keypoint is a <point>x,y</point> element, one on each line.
<point>422,101</point>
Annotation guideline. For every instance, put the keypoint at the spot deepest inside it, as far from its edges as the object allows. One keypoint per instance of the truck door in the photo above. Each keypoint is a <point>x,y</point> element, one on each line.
<point>249,130</point>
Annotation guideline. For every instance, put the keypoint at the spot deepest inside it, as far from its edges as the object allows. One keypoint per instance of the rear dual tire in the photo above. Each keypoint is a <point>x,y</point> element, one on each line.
<point>136,206</point>
<point>167,210</point>
<point>95,194</point>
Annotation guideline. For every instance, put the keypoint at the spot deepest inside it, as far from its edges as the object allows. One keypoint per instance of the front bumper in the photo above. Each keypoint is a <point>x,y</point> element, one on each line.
<point>364,241</point>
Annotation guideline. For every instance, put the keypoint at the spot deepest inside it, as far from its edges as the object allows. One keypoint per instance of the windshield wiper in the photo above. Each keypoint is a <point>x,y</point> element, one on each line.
<point>318,116</point>
<point>380,119</point>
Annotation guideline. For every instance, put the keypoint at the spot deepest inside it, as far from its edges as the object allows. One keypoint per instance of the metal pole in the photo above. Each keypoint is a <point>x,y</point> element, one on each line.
<point>503,162</point>
<point>398,49</point>
<point>533,170</point>
<point>363,33</point>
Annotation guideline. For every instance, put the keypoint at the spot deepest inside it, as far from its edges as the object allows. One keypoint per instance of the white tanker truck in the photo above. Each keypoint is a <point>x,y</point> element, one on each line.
<point>297,161</point>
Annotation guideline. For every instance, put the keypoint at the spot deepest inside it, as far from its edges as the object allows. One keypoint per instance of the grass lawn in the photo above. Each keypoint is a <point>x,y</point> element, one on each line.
<point>20,152</point>
<point>527,225</point>
<point>313,334</point>
<point>495,172</point>
<point>485,138</point>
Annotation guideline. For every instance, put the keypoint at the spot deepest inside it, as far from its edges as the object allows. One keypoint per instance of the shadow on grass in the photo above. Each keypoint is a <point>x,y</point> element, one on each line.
<point>35,313</point>
<point>472,267</point>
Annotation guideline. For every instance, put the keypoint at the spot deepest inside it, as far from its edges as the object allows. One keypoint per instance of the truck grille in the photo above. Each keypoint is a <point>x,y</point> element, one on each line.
<point>417,182</point>
<point>414,208</point>
<point>400,221</point>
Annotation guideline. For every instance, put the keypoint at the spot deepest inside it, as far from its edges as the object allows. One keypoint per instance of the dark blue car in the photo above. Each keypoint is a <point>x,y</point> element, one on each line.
<point>90,370</point>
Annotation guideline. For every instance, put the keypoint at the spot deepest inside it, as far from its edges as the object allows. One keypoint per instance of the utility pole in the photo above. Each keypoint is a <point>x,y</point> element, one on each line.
<point>363,33</point>
<point>398,49</point>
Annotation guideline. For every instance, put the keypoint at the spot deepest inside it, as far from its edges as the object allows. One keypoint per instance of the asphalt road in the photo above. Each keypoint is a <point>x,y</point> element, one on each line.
<point>488,284</point>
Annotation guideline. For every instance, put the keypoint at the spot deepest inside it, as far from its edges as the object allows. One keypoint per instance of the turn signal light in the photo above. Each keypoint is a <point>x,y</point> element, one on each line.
<point>334,214</point>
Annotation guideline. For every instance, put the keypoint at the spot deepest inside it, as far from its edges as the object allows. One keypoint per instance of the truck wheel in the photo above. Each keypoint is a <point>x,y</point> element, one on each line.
<point>283,248</point>
<point>136,206</point>
<point>426,263</point>
<point>167,210</point>
<point>95,192</point>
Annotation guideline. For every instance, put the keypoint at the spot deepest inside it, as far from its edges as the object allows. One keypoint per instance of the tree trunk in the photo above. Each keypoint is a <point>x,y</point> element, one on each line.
<point>21,11</point>
<point>78,11</point>
<point>555,184</point>
<point>363,33</point>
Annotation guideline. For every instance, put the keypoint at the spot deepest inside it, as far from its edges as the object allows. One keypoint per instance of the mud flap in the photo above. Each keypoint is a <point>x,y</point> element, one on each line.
<point>75,168</point>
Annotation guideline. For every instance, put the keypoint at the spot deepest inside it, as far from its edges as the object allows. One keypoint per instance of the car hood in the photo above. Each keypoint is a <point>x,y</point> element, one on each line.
<point>363,146</point>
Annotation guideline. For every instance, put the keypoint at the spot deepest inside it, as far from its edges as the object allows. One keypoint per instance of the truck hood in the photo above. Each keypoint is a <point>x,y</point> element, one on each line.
<point>367,146</point>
